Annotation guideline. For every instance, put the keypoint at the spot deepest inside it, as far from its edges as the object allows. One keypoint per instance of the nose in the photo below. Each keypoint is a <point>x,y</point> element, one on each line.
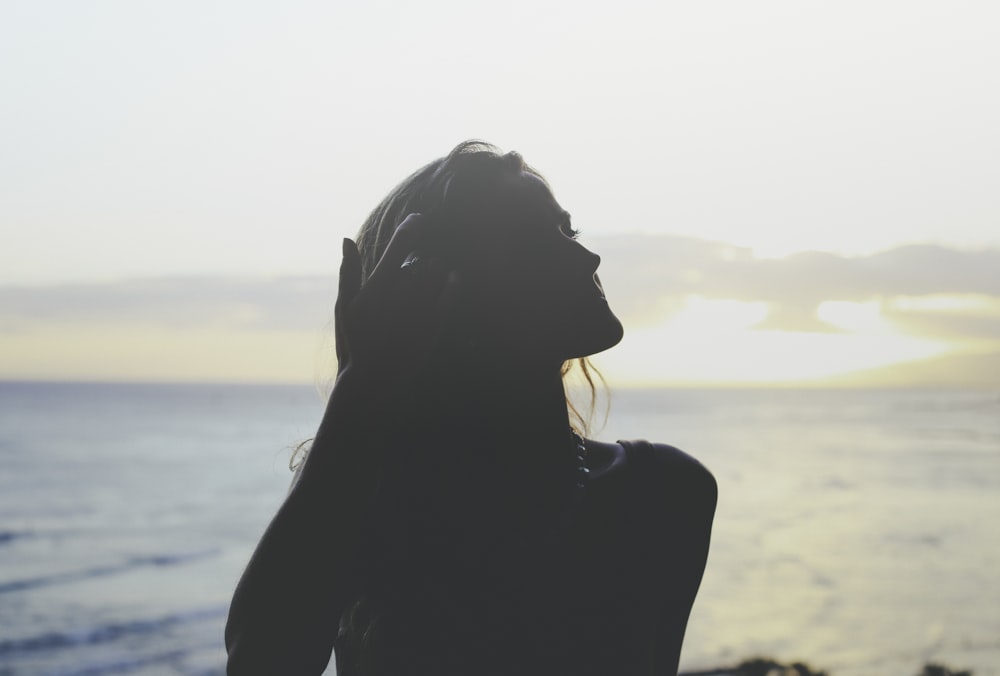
<point>594,261</point>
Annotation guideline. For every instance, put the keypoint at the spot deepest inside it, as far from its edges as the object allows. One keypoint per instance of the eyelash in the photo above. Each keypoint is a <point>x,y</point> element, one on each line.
<point>571,232</point>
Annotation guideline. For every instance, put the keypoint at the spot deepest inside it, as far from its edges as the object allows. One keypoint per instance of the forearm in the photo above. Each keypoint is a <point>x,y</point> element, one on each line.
<point>286,608</point>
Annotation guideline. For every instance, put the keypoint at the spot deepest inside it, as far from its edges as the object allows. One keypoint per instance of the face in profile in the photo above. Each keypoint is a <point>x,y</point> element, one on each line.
<point>534,287</point>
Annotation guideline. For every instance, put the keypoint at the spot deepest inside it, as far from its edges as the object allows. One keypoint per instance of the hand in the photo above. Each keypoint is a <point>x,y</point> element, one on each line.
<point>387,326</point>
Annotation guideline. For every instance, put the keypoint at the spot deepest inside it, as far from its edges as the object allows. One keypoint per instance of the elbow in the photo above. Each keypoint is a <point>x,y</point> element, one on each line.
<point>277,655</point>
<point>238,662</point>
<point>240,657</point>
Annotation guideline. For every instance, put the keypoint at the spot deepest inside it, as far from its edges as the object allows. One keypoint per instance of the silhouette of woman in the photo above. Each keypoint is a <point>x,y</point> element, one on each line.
<point>447,519</point>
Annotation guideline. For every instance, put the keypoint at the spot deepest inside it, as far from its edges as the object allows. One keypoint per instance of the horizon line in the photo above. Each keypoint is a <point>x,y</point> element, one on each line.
<point>666,385</point>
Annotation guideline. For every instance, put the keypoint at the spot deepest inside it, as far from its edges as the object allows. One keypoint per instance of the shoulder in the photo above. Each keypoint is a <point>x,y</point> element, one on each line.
<point>674,474</point>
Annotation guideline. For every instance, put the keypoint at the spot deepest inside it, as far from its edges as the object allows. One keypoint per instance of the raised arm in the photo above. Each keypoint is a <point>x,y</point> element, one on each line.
<point>286,609</point>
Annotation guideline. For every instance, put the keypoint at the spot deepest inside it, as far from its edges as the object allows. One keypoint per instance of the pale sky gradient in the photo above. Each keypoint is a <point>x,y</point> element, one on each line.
<point>244,139</point>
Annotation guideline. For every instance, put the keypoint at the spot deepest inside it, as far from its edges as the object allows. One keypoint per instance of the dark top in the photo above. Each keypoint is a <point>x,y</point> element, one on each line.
<point>599,593</point>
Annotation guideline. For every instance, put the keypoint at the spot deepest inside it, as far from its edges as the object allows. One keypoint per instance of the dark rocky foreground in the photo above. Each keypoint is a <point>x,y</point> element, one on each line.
<point>764,666</point>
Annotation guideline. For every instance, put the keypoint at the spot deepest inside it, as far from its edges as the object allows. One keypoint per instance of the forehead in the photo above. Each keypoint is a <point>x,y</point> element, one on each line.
<point>524,210</point>
<point>538,200</point>
<point>526,216</point>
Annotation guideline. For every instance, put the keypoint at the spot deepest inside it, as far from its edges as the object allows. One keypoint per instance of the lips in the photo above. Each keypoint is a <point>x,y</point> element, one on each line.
<point>600,289</point>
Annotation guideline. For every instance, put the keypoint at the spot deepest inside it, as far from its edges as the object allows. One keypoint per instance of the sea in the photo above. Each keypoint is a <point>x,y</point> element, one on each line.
<point>857,530</point>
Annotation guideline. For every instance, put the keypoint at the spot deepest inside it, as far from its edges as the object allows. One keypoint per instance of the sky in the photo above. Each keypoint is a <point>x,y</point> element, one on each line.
<point>782,192</point>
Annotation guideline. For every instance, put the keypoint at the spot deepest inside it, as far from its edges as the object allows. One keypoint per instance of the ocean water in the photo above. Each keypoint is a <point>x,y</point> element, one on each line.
<point>856,530</point>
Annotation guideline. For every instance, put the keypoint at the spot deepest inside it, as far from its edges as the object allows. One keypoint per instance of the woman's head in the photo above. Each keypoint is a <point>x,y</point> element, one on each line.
<point>529,289</point>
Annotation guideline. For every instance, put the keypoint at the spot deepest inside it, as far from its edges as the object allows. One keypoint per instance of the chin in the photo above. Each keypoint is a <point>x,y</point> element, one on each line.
<point>598,337</point>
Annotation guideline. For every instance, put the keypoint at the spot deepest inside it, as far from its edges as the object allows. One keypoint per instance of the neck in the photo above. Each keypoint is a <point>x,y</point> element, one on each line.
<point>503,430</point>
<point>509,404</point>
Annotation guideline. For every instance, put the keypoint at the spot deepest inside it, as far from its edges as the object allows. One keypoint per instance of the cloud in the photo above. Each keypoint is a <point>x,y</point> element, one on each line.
<point>647,278</point>
<point>290,303</point>
<point>647,275</point>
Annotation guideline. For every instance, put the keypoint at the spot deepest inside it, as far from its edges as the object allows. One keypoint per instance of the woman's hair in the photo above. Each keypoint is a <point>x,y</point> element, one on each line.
<point>472,176</point>
<point>459,185</point>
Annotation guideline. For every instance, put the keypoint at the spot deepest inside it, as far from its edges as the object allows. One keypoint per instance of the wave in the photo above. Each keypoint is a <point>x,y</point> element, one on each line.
<point>105,633</point>
<point>122,666</point>
<point>8,536</point>
<point>103,571</point>
<point>128,665</point>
